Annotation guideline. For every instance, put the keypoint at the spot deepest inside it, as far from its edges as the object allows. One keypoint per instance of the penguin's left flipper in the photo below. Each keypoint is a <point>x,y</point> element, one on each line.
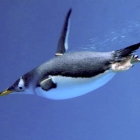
<point>47,84</point>
<point>63,40</point>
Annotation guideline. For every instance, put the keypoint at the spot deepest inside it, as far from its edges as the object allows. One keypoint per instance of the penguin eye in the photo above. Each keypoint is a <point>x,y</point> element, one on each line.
<point>21,84</point>
<point>20,87</point>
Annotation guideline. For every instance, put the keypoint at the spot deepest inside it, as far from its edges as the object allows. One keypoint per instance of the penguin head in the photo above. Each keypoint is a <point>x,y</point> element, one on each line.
<point>18,86</point>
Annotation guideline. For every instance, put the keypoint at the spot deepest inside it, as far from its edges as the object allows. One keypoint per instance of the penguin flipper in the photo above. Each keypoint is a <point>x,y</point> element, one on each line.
<point>63,40</point>
<point>47,84</point>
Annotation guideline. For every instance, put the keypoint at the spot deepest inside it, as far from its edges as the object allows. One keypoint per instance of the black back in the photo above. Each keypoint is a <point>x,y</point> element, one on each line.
<point>78,64</point>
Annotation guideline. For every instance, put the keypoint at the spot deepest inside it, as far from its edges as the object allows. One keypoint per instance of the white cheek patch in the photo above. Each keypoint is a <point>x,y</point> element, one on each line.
<point>21,83</point>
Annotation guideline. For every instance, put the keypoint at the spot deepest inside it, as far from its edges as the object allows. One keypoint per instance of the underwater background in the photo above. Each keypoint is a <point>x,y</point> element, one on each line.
<point>29,32</point>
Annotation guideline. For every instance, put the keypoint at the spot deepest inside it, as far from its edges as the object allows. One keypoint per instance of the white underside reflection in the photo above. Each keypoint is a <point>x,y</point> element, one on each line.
<point>72,87</point>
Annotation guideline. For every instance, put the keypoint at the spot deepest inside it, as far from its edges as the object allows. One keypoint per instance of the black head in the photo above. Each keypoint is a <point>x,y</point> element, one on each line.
<point>18,86</point>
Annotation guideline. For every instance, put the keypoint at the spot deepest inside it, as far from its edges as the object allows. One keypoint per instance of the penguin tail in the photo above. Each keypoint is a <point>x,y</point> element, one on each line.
<point>120,55</point>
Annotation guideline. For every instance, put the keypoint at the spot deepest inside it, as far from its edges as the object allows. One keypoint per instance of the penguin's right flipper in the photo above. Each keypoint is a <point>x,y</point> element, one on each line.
<point>63,41</point>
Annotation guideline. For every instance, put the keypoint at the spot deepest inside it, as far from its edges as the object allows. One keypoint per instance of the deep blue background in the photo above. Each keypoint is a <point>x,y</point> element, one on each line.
<point>29,31</point>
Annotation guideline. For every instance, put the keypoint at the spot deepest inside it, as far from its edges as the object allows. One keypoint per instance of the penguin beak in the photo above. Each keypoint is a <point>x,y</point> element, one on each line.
<point>5,92</point>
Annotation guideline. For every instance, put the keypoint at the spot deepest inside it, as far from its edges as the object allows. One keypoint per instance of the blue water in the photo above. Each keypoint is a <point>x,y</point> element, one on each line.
<point>126,32</point>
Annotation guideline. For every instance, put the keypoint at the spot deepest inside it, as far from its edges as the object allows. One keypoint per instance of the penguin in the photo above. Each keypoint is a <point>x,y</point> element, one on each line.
<point>73,74</point>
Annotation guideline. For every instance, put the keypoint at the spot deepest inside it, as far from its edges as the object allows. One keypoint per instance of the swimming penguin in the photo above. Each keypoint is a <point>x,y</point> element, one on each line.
<point>69,75</point>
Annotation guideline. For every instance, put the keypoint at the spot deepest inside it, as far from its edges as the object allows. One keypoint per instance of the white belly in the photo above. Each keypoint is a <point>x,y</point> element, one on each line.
<point>72,87</point>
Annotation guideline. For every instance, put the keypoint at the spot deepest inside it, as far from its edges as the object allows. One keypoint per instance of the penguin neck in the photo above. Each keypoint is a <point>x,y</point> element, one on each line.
<point>30,90</point>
